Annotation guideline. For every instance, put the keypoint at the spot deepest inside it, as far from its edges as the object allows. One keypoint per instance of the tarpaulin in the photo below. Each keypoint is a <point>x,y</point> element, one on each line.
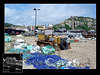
<point>48,49</point>
<point>8,39</point>
<point>19,50</point>
<point>6,34</point>
<point>29,47</point>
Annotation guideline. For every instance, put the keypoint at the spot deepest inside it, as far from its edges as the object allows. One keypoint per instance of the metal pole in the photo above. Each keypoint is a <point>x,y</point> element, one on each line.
<point>35,20</point>
<point>35,17</point>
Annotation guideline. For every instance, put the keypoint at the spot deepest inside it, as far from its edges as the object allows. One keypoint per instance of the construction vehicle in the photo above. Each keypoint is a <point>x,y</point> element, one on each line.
<point>47,38</point>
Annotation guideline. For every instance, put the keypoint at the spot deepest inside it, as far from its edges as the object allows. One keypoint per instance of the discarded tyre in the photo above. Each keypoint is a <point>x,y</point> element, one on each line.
<point>63,45</point>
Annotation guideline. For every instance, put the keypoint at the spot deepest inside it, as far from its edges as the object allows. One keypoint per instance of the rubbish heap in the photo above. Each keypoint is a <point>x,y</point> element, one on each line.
<point>42,58</point>
<point>8,39</point>
<point>35,49</point>
<point>40,61</point>
<point>48,50</point>
<point>6,34</point>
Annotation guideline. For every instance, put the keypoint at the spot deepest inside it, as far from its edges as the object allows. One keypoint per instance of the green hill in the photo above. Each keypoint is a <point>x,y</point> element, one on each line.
<point>85,23</point>
<point>9,25</point>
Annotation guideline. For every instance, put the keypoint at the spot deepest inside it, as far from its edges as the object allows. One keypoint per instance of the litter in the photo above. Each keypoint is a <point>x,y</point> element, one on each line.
<point>40,61</point>
<point>71,67</point>
<point>37,35</point>
<point>63,67</point>
<point>19,43</point>
<point>35,49</point>
<point>48,49</point>
<point>19,35</point>
<point>17,46</point>
<point>29,47</point>
<point>8,39</point>
<point>25,55</point>
<point>19,50</point>
<point>61,63</point>
<point>6,34</point>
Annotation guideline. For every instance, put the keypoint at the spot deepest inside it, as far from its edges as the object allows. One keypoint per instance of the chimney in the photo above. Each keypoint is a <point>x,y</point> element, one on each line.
<point>72,23</point>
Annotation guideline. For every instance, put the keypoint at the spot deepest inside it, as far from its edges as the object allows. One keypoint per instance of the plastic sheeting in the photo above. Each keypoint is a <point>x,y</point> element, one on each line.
<point>30,47</point>
<point>71,67</point>
<point>48,49</point>
<point>8,39</point>
<point>6,34</point>
<point>19,50</point>
<point>35,49</point>
<point>23,51</point>
<point>27,55</point>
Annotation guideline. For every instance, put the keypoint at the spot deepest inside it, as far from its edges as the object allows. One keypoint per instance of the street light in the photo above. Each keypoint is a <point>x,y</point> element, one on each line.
<point>35,17</point>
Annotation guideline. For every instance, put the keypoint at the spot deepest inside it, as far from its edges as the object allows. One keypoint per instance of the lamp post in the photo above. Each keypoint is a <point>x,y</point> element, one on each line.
<point>35,17</point>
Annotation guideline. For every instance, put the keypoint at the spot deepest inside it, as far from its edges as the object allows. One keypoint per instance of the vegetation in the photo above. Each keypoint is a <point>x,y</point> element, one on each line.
<point>59,26</point>
<point>56,26</point>
<point>9,25</point>
<point>85,27</point>
<point>80,20</point>
<point>67,27</point>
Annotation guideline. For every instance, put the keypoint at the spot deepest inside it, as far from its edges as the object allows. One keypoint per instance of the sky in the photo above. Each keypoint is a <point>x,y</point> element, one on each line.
<point>23,14</point>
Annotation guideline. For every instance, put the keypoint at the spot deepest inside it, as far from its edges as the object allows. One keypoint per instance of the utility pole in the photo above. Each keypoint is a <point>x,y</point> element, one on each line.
<point>35,17</point>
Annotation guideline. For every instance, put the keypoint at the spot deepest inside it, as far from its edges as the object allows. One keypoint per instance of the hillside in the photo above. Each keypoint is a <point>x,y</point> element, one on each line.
<point>80,23</point>
<point>9,25</point>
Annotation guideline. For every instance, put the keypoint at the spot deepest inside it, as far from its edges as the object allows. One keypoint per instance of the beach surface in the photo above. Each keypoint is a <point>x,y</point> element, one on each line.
<point>84,51</point>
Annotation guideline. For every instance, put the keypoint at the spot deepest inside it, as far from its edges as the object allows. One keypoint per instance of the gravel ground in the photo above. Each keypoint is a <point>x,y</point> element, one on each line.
<point>81,51</point>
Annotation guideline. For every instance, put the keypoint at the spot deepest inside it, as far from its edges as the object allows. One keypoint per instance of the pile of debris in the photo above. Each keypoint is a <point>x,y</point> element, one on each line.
<point>30,33</point>
<point>42,57</point>
<point>40,61</point>
<point>7,38</point>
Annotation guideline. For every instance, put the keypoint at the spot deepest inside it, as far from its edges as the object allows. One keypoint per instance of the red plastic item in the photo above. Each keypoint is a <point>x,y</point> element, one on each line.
<point>17,32</point>
<point>76,40</point>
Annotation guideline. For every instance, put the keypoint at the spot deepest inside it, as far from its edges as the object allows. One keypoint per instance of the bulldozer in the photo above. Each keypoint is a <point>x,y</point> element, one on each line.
<point>46,37</point>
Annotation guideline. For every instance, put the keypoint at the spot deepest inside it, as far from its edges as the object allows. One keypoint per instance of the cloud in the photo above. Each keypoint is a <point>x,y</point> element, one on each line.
<point>49,13</point>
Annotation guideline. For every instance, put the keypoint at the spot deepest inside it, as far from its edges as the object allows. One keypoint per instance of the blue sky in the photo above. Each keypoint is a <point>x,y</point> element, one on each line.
<point>23,14</point>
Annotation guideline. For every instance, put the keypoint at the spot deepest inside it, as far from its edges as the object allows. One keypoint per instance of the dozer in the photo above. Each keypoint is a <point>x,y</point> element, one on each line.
<point>46,37</point>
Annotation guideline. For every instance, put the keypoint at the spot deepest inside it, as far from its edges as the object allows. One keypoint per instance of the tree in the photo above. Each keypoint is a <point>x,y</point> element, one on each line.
<point>80,27</point>
<point>9,25</point>
<point>86,26</point>
<point>56,26</point>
